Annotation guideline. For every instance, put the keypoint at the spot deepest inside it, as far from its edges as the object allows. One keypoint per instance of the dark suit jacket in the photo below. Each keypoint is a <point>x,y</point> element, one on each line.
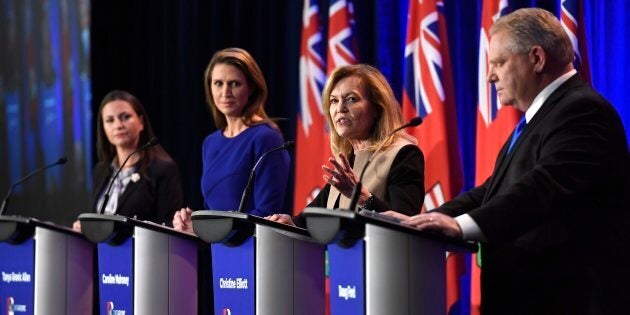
<point>555,212</point>
<point>155,197</point>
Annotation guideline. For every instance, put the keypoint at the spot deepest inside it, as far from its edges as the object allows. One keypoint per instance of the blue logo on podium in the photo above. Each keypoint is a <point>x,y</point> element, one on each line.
<point>115,278</point>
<point>233,278</point>
<point>347,281</point>
<point>17,282</point>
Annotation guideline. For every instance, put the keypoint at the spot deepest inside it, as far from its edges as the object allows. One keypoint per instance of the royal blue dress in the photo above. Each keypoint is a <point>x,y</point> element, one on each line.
<point>227,163</point>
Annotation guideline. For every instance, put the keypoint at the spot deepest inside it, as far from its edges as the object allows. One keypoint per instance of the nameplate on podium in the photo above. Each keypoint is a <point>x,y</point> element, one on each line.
<point>347,291</point>
<point>234,277</point>
<point>115,277</point>
<point>17,268</point>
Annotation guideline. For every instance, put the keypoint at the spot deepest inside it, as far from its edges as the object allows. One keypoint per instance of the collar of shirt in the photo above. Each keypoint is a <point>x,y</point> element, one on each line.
<point>540,99</point>
<point>125,174</point>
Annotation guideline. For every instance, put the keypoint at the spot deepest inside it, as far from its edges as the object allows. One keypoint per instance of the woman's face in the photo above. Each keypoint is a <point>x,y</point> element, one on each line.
<point>122,124</point>
<point>351,112</point>
<point>230,90</point>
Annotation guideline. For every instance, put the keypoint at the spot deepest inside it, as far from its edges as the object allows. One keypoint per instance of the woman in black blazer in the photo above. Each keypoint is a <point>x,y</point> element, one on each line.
<point>149,186</point>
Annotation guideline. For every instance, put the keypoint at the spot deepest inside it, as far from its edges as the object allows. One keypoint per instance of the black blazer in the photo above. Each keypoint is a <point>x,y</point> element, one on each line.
<point>555,212</point>
<point>155,197</point>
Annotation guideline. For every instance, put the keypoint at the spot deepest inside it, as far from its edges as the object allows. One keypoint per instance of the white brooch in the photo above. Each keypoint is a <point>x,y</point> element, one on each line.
<point>135,177</point>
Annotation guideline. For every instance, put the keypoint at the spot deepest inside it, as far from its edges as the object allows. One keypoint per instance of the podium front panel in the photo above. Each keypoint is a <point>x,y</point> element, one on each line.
<point>157,277</point>
<point>55,253</point>
<point>80,266</point>
<point>427,272</point>
<point>404,274</point>
<point>182,276</point>
<point>115,277</point>
<point>347,278</point>
<point>51,282</point>
<point>288,270</point>
<point>274,259</point>
<point>387,265</point>
<point>309,272</point>
<point>151,272</point>
<point>144,268</point>
<point>233,277</point>
<point>388,272</point>
<point>17,268</point>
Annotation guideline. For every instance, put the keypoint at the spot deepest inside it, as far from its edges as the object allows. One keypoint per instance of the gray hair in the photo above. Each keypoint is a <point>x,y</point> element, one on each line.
<point>530,27</point>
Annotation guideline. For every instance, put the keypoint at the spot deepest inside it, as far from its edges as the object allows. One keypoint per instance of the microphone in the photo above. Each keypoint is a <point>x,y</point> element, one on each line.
<point>153,141</point>
<point>354,198</point>
<point>5,202</point>
<point>248,189</point>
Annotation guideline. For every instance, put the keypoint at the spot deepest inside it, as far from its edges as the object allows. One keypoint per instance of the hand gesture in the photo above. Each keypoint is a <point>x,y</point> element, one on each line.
<point>341,175</point>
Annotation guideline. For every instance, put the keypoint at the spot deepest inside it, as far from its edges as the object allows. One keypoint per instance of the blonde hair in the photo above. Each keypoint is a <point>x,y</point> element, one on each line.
<point>255,106</point>
<point>380,95</point>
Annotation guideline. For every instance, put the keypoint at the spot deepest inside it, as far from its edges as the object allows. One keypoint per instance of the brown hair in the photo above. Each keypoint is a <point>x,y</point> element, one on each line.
<point>255,106</point>
<point>106,151</point>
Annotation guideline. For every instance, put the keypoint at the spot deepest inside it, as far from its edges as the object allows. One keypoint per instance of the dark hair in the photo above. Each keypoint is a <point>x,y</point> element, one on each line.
<point>106,151</point>
<point>255,106</point>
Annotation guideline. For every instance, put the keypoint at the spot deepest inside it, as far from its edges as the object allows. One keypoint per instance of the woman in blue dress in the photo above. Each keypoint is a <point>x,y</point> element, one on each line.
<point>237,92</point>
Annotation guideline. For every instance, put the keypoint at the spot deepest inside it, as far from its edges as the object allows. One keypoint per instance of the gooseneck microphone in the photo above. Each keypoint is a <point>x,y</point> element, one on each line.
<point>153,141</point>
<point>5,202</point>
<point>354,198</point>
<point>248,189</point>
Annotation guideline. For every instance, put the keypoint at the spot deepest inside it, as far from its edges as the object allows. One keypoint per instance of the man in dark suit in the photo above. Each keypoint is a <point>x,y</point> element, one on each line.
<point>553,218</point>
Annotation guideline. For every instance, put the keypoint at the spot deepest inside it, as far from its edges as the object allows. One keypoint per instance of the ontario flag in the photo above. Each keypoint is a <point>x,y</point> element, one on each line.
<point>572,19</point>
<point>342,46</point>
<point>313,144</point>
<point>494,124</point>
<point>427,92</point>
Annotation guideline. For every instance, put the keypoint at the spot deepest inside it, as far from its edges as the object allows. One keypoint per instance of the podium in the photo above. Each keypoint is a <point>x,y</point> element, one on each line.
<point>260,266</point>
<point>378,266</point>
<point>45,268</point>
<point>143,267</point>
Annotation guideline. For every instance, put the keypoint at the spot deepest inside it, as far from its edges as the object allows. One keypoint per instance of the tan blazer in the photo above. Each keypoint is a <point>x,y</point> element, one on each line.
<point>375,178</point>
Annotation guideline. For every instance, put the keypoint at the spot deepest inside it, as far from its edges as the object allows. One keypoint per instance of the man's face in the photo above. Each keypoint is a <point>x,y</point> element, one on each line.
<point>512,74</point>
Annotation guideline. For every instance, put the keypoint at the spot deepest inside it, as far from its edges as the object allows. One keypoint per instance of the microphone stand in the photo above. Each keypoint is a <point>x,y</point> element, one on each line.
<point>151,143</point>
<point>5,202</point>
<point>248,188</point>
<point>354,198</point>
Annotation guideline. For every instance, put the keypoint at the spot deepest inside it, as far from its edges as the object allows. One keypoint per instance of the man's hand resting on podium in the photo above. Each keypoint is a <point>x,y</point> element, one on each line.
<point>182,220</point>
<point>281,218</point>
<point>433,221</point>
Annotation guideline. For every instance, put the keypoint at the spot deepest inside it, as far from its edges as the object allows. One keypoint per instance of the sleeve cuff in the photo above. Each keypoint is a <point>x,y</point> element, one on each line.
<point>470,229</point>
